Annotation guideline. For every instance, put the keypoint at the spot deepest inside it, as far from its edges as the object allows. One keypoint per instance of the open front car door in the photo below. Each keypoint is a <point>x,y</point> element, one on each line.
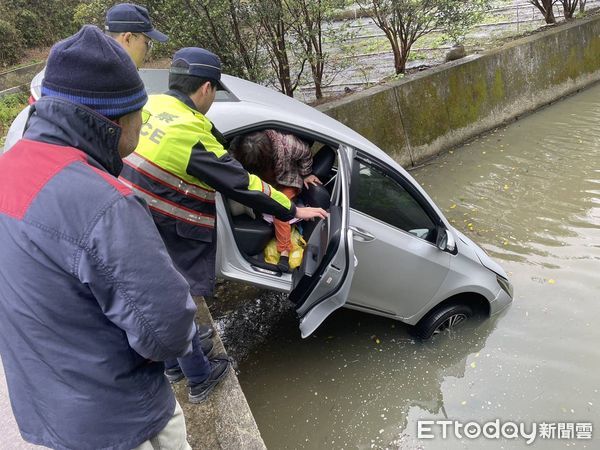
<point>322,282</point>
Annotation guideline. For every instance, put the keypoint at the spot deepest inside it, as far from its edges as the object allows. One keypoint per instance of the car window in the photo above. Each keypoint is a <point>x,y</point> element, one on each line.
<point>376,194</point>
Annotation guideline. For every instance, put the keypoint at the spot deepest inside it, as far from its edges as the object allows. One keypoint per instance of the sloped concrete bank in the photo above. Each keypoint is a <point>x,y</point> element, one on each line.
<point>417,118</point>
<point>224,421</point>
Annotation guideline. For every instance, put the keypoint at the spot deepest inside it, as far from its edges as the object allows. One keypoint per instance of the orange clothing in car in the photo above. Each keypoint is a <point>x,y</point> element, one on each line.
<point>283,230</point>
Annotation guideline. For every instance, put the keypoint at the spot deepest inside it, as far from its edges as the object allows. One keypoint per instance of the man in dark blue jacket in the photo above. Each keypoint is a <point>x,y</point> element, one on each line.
<point>90,303</point>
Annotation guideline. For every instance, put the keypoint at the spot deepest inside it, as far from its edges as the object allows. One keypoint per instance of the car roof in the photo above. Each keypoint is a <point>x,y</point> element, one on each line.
<point>246,105</point>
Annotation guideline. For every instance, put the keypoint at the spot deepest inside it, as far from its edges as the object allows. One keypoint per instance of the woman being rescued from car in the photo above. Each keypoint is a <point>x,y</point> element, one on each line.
<point>285,162</point>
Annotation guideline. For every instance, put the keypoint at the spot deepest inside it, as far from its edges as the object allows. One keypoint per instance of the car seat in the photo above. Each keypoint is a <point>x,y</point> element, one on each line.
<point>251,233</point>
<point>323,162</point>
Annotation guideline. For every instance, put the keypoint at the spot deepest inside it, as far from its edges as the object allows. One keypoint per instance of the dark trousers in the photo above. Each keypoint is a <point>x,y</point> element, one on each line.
<point>194,366</point>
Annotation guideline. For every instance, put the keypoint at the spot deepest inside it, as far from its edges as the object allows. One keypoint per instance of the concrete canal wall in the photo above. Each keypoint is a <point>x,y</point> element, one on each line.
<point>18,79</point>
<point>416,118</point>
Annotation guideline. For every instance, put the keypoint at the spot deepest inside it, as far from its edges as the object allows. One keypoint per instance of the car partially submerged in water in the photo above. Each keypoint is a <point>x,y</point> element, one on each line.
<point>385,248</point>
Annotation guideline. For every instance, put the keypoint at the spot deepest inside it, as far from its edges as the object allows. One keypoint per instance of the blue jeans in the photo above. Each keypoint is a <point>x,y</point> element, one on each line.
<point>194,366</point>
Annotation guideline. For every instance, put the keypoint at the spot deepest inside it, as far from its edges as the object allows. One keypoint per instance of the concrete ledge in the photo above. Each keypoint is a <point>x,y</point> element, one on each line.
<point>418,117</point>
<point>224,421</point>
<point>20,76</point>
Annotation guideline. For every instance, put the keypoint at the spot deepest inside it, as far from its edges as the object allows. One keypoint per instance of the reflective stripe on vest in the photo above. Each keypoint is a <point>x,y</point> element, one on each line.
<point>169,208</point>
<point>154,172</point>
<point>266,188</point>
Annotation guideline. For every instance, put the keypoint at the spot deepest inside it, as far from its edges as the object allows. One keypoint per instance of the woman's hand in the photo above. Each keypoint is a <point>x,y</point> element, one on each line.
<point>311,179</point>
<point>307,213</point>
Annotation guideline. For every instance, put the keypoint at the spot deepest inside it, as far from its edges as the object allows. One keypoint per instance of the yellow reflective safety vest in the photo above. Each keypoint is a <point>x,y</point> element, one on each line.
<point>176,168</point>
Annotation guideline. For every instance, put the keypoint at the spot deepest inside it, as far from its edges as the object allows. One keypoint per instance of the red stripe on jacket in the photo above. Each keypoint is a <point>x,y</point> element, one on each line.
<point>29,166</point>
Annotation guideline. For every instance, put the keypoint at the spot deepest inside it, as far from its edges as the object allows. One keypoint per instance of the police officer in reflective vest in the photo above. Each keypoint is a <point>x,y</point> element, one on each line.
<point>180,162</point>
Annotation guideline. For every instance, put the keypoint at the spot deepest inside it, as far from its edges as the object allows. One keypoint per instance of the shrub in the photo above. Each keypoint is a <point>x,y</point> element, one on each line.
<point>10,106</point>
<point>10,50</point>
<point>27,22</point>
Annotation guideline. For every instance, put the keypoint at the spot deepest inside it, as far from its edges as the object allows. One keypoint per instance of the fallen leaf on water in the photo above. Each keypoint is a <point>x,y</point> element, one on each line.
<point>551,281</point>
<point>473,365</point>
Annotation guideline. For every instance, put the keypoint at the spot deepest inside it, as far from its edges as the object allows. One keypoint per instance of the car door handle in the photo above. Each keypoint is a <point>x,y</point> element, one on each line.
<point>361,235</point>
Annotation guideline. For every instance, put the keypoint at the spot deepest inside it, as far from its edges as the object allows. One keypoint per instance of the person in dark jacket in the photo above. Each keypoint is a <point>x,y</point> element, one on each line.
<point>90,302</point>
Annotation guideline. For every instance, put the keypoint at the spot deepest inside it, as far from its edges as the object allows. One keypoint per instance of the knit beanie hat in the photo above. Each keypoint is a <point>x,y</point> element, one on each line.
<point>92,69</point>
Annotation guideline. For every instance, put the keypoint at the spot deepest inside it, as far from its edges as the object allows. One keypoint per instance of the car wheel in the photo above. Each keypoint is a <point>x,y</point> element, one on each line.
<point>446,317</point>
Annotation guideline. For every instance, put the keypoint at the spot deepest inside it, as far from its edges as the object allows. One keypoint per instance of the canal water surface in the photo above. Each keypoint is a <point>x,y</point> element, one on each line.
<point>529,194</point>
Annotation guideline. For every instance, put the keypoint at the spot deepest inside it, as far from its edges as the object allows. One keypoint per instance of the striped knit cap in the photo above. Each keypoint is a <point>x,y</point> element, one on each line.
<point>92,69</point>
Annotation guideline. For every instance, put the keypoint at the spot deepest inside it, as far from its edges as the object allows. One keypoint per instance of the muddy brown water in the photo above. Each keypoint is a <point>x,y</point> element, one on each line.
<point>530,195</point>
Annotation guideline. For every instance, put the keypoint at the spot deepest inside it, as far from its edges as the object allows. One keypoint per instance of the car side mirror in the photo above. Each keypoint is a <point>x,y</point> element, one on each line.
<point>445,240</point>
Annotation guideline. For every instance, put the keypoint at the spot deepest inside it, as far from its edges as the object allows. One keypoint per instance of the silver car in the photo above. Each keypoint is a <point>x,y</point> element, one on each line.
<point>385,249</point>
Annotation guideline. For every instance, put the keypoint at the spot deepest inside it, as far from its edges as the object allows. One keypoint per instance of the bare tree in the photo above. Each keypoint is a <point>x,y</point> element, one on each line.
<point>405,21</point>
<point>569,7</point>
<point>274,28</point>
<point>401,24</point>
<point>312,23</point>
<point>582,5</point>
<point>546,7</point>
<point>222,26</point>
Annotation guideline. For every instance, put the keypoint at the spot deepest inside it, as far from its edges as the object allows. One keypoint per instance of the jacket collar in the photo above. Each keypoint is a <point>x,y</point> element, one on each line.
<point>186,100</point>
<point>183,98</point>
<point>60,122</point>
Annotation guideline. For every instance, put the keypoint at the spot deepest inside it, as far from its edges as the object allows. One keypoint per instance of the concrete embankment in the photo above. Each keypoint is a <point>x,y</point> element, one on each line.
<point>224,421</point>
<point>416,118</point>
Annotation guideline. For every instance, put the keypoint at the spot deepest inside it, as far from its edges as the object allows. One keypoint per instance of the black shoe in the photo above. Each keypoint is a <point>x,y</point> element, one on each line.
<point>205,331</point>
<point>175,374</point>
<point>219,368</point>
<point>284,264</point>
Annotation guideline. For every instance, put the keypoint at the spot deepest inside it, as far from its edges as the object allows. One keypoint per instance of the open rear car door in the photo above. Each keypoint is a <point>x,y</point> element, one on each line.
<point>322,282</point>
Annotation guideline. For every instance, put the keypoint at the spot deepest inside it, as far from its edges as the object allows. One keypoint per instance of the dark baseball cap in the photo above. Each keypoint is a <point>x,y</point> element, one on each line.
<point>197,62</point>
<point>127,17</point>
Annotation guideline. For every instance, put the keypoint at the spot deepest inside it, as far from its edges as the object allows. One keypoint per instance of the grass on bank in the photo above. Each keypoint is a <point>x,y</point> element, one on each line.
<point>10,106</point>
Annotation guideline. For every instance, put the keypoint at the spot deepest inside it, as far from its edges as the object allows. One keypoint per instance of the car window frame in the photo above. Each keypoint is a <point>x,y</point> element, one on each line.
<point>387,170</point>
<point>301,132</point>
